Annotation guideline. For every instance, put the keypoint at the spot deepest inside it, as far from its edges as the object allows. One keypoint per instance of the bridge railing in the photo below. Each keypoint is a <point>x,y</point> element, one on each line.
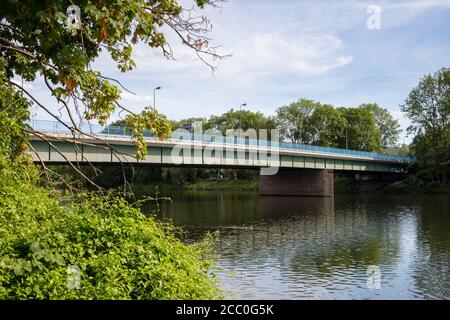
<point>98,130</point>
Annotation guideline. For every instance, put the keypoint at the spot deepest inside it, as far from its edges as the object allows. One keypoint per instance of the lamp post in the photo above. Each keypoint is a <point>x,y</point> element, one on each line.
<point>346,139</point>
<point>240,117</point>
<point>154,96</point>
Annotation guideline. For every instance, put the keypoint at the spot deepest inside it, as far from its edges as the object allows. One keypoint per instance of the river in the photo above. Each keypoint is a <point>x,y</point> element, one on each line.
<point>346,247</point>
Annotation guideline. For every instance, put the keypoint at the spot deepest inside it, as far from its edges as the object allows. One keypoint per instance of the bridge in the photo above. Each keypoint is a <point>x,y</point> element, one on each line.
<point>286,168</point>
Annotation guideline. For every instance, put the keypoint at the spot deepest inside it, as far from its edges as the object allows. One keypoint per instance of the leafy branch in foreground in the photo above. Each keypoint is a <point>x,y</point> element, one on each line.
<point>148,118</point>
<point>37,43</point>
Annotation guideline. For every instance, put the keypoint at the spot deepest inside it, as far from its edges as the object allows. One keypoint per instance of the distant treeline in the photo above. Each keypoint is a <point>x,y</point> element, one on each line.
<point>367,127</point>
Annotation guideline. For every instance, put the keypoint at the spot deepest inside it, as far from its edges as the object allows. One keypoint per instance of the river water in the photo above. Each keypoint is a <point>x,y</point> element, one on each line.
<point>346,247</point>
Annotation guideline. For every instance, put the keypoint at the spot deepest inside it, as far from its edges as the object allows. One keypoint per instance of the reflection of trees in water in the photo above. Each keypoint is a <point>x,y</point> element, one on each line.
<point>307,244</point>
<point>307,235</point>
<point>431,267</point>
<point>203,209</point>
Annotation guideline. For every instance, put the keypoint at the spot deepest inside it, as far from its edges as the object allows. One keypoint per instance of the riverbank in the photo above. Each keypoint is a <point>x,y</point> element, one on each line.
<point>416,187</point>
<point>343,185</point>
<point>200,185</point>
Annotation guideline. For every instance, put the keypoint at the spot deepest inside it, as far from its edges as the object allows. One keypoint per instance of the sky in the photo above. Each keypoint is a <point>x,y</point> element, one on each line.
<point>337,52</point>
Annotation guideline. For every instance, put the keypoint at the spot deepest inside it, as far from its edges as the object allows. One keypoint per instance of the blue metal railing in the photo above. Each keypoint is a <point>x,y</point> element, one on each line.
<point>96,129</point>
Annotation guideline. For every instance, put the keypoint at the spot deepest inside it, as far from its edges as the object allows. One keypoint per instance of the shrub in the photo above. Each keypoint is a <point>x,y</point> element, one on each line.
<point>120,253</point>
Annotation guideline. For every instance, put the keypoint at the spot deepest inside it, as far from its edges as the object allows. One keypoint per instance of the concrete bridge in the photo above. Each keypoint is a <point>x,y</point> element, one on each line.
<point>286,168</point>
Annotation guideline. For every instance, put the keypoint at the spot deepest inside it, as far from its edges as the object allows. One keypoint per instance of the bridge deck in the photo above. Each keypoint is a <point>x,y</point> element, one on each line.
<point>202,152</point>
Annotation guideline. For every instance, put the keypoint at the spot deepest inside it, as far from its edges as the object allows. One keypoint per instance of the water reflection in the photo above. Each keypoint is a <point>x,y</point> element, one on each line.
<point>310,247</point>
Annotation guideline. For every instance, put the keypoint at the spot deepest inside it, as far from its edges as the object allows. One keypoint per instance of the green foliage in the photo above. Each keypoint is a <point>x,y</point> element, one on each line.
<point>14,111</point>
<point>151,119</point>
<point>121,254</point>
<point>239,119</point>
<point>433,155</point>
<point>310,122</point>
<point>402,150</point>
<point>232,119</point>
<point>428,107</point>
<point>189,123</point>
<point>291,119</point>
<point>361,130</point>
<point>388,127</point>
<point>325,126</point>
<point>37,41</point>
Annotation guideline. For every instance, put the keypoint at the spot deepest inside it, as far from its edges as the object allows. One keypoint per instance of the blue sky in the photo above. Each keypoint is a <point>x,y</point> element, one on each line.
<point>285,50</point>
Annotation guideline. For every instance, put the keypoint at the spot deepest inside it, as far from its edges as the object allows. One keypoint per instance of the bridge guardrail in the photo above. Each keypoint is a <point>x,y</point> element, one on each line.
<point>96,129</point>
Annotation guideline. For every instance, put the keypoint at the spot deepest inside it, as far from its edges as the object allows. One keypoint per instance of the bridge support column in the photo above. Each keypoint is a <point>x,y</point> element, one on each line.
<point>302,182</point>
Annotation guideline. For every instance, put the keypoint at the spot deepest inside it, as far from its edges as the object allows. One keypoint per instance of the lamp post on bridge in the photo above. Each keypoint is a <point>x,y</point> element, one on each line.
<point>240,117</point>
<point>346,139</point>
<point>154,96</point>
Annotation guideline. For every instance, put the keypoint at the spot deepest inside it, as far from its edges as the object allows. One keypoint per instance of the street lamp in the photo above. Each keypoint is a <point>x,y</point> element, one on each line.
<point>240,117</point>
<point>154,96</point>
<point>346,138</point>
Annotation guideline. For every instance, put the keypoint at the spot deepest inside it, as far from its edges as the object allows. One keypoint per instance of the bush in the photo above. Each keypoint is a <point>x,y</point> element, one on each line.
<point>119,252</point>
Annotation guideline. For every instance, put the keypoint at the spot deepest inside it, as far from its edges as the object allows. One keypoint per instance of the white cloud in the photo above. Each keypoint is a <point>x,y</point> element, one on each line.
<point>133,98</point>
<point>273,54</point>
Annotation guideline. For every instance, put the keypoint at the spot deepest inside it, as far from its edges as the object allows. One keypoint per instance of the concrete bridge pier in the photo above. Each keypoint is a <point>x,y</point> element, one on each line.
<point>300,182</point>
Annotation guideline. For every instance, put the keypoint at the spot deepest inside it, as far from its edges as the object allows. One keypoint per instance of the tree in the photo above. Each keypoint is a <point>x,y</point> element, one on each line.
<point>428,108</point>
<point>189,123</point>
<point>361,131</point>
<point>57,42</point>
<point>428,105</point>
<point>240,119</point>
<point>14,111</point>
<point>325,126</point>
<point>388,127</point>
<point>363,128</point>
<point>290,119</point>
<point>402,150</point>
